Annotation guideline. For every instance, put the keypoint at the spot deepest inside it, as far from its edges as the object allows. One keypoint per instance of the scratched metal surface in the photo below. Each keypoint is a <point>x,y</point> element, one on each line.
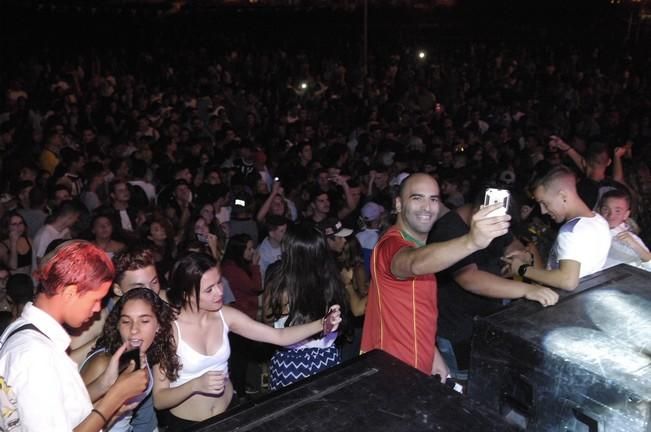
<point>585,361</point>
<point>374,392</point>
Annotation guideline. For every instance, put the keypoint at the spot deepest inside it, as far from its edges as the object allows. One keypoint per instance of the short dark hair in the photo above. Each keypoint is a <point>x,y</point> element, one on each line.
<point>598,153</point>
<point>274,221</point>
<point>557,172</point>
<point>138,168</point>
<point>116,182</point>
<point>618,194</point>
<point>37,197</point>
<point>20,288</point>
<point>66,208</point>
<point>136,257</point>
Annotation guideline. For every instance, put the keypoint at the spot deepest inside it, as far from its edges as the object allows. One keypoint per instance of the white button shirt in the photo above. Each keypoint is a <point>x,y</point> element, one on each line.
<point>50,393</point>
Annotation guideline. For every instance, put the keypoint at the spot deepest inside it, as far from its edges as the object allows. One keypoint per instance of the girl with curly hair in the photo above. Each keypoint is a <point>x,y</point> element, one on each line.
<point>140,319</point>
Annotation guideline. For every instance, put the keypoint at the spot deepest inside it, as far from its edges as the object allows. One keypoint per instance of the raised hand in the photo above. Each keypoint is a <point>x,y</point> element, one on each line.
<point>557,143</point>
<point>277,188</point>
<point>332,319</point>
<point>484,227</point>
<point>255,258</point>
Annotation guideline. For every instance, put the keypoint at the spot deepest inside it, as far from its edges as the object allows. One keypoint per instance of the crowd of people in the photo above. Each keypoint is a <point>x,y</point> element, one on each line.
<point>245,197</point>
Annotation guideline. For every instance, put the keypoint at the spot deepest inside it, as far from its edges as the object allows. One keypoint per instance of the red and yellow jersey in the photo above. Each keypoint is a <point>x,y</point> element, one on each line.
<point>401,314</point>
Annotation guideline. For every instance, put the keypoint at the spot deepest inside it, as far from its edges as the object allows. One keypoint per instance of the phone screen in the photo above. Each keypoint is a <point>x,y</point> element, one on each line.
<point>494,196</point>
<point>127,356</point>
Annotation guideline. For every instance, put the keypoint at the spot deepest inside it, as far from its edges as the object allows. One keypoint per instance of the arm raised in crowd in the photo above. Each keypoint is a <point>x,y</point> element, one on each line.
<point>277,189</point>
<point>579,161</point>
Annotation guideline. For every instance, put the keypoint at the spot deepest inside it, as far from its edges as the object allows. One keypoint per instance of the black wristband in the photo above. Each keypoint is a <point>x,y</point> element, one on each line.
<point>523,269</point>
<point>96,411</point>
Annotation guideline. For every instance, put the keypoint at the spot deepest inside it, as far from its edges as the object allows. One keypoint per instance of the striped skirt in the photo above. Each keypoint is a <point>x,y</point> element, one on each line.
<point>290,366</point>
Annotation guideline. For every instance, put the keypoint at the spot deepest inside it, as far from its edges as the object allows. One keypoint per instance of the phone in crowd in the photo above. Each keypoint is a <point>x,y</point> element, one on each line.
<point>127,356</point>
<point>494,196</point>
<point>276,179</point>
<point>203,238</point>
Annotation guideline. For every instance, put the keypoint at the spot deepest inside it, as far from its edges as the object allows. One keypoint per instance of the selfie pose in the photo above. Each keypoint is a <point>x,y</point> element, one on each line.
<point>402,309</point>
<point>474,286</point>
<point>203,389</point>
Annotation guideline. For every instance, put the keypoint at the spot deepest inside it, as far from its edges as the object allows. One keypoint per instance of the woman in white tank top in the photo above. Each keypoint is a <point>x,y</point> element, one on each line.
<point>203,389</point>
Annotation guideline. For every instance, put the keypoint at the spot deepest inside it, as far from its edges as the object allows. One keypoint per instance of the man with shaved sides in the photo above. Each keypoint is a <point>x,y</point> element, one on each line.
<point>402,309</point>
<point>583,241</point>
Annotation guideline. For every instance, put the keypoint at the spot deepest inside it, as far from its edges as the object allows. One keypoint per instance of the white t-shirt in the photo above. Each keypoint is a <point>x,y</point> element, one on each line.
<point>42,240</point>
<point>50,393</point>
<point>583,239</point>
<point>268,255</point>
<point>620,253</point>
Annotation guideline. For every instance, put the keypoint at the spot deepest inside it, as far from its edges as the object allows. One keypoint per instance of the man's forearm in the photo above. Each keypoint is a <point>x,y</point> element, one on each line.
<point>553,278</point>
<point>489,285</point>
<point>432,258</point>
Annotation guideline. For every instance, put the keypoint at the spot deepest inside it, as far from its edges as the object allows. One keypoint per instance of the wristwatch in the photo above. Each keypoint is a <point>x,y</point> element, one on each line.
<point>523,269</point>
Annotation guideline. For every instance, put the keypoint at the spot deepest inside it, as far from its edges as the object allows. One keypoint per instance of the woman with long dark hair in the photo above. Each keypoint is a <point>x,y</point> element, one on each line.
<point>202,389</point>
<point>143,321</point>
<point>299,288</point>
<point>240,267</point>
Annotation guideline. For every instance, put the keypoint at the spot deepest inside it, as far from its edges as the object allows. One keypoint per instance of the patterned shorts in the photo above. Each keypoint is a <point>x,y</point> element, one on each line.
<point>290,366</point>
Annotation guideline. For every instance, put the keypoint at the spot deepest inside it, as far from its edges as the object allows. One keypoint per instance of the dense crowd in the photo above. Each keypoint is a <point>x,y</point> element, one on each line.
<point>232,159</point>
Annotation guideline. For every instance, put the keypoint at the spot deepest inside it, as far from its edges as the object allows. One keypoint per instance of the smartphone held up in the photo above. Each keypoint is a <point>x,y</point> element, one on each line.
<point>497,196</point>
<point>127,356</point>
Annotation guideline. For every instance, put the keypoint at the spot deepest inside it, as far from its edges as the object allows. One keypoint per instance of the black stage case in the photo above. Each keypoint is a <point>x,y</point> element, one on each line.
<point>582,365</point>
<point>375,392</point>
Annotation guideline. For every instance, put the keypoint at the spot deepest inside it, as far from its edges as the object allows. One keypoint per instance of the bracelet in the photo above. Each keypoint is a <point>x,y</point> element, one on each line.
<point>96,411</point>
<point>523,269</point>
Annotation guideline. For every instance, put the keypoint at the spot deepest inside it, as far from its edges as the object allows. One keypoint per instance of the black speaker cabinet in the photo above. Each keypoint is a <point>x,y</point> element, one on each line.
<point>583,365</point>
<point>374,392</point>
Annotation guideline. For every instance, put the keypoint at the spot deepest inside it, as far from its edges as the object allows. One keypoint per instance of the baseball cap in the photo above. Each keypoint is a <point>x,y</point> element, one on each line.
<point>397,180</point>
<point>331,226</point>
<point>372,211</point>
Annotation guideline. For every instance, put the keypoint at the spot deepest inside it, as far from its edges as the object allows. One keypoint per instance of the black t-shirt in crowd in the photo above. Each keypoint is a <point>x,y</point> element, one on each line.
<point>457,307</point>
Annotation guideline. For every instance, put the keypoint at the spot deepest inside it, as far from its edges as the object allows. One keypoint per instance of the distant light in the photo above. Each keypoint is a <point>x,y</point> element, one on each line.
<point>422,55</point>
<point>303,85</point>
